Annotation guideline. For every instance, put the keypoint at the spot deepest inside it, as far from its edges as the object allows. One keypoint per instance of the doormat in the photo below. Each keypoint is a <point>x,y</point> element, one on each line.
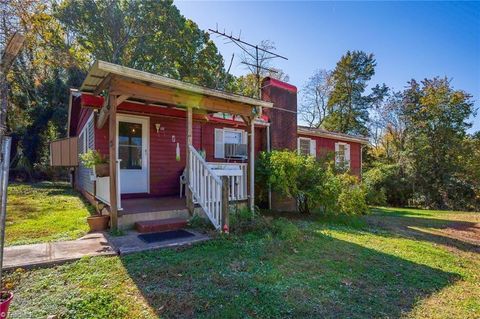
<point>163,236</point>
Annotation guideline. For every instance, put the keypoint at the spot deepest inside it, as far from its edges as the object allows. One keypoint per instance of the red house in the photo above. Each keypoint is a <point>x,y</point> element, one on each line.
<point>172,138</point>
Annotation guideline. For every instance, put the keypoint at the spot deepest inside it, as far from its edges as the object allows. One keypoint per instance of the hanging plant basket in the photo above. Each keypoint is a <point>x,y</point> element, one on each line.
<point>102,170</point>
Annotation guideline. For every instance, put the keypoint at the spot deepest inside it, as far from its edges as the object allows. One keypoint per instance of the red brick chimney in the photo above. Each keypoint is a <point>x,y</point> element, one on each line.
<point>283,128</point>
<point>283,116</point>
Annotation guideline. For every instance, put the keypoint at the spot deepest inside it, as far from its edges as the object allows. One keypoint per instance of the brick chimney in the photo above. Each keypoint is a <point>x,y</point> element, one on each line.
<point>283,128</point>
<point>283,117</point>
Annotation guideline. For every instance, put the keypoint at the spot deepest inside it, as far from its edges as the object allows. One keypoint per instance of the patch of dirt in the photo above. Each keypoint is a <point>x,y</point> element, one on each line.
<point>462,231</point>
<point>453,234</point>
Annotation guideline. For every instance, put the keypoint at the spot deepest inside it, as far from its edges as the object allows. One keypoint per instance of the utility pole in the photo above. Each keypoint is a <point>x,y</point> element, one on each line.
<point>12,49</point>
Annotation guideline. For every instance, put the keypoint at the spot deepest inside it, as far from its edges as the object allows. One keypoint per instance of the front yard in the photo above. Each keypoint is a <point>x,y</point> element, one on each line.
<point>44,212</point>
<point>393,263</point>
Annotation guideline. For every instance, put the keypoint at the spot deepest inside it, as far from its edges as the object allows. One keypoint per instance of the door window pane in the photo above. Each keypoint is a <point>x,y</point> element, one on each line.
<point>130,145</point>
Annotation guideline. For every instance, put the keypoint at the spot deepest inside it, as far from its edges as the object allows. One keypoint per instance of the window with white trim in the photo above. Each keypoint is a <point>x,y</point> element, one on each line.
<point>87,135</point>
<point>342,155</point>
<point>230,143</point>
<point>307,146</point>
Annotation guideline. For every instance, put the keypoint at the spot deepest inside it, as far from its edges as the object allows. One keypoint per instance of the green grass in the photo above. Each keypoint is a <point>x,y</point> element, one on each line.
<point>393,263</point>
<point>44,212</point>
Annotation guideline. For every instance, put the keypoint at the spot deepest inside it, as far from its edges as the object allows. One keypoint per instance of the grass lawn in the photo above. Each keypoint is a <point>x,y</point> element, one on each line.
<point>44,212</point>
<point>393,263</point>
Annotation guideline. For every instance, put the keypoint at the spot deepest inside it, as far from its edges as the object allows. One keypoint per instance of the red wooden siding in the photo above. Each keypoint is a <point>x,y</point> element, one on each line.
<point>164,170</point>
<point>83,118</point>
<point>326,145</point>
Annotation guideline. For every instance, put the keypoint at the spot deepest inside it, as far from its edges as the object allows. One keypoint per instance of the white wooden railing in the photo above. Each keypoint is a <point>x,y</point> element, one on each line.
<point>237,178</point>
<point>102,188</point>
<point>206,187</point>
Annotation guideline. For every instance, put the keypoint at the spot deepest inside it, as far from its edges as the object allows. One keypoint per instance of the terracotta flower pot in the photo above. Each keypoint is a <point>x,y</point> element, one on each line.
<point>102,170</point>
<point>5,303</point>
<point>98,222</point>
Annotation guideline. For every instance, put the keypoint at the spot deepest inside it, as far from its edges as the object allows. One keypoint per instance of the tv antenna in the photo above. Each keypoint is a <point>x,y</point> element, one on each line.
<point>251,50</point>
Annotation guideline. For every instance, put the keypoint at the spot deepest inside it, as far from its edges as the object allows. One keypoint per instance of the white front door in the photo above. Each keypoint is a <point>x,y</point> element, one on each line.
<point>132,150</point>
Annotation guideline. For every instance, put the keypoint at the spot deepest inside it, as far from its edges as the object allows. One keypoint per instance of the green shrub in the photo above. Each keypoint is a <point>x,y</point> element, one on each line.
<point>343,194</point>
<point>244,220</point>
<point>316,185</point>
<point>352,201</point>
<point>284,229</point>
<point>292,175</point>
<point>387,184</point>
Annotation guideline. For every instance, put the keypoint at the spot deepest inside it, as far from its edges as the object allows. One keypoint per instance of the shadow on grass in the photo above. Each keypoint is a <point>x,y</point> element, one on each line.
<point>320,276</point>
<point>461,235</point>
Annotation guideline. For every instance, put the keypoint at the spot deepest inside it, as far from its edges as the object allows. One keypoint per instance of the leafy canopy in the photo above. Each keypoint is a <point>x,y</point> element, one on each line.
<point>347,108</point>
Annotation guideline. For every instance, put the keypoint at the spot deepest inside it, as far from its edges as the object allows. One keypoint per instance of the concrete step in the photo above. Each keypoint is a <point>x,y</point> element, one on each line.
<point>159,225</point>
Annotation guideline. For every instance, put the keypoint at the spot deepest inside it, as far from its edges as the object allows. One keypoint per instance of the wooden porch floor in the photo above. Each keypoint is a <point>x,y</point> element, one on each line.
<point>152,205</point>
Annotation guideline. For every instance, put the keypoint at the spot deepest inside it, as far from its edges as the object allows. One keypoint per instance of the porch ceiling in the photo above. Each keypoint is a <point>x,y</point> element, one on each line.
<point>151,88</point>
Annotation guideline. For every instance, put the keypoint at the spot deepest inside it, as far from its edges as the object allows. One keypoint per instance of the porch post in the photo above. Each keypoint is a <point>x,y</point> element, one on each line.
<point>251,164</point>
<point>188,194</point>
<point>112,135</point>
<point>224,222</point>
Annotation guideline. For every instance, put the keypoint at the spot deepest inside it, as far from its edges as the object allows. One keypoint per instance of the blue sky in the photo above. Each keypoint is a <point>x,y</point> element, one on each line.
<point>409,39</point>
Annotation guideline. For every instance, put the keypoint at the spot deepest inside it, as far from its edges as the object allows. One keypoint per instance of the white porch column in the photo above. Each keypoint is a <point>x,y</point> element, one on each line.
<point>188,194</point>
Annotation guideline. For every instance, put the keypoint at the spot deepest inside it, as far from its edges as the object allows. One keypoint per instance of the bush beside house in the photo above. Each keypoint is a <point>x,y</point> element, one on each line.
<point>315,184</point>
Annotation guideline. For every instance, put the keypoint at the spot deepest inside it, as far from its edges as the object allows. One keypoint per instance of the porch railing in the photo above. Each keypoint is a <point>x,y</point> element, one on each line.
<point>206,187</point>
<point>237,178</point>
<point>102,188</point>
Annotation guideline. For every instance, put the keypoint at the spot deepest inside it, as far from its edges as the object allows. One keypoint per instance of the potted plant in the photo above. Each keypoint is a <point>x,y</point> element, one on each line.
<point>93,159</point>
<point>5,299</point>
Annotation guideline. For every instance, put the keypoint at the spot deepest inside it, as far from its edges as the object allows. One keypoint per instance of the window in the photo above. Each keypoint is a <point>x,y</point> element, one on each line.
<point>232,137</point>
<point>130,145</point>
<point>307,146</point>
<point>230,143</point>
<point>87,138</point>
<point>342,155</point>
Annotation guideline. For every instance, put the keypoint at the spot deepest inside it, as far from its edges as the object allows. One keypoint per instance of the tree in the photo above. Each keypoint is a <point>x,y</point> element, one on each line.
<point>347,107</point>
<point>63,37</point>
<point>387,127</point>
<point>436,118</point>
<point>39,82</point>
<point>316,93</point>
<point>151,36</point>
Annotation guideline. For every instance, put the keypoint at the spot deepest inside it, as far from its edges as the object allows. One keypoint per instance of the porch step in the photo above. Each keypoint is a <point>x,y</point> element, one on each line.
<point>160,225</point>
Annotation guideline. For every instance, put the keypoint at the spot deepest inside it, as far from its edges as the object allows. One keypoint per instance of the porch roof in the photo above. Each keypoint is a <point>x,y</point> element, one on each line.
<point>152,88</point>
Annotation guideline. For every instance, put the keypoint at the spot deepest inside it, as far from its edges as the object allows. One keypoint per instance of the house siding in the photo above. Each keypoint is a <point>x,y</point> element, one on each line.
<point>164,169</point>
<point>327,145</point>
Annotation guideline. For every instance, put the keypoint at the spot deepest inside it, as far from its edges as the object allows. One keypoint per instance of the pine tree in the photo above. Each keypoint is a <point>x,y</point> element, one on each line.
<point>348,106</point>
